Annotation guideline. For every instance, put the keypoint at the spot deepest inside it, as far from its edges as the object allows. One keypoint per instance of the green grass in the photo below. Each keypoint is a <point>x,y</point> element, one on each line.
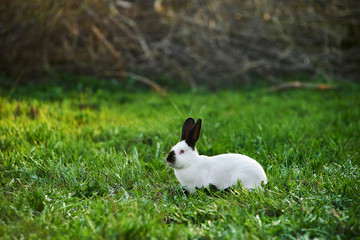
<point>88,162</point>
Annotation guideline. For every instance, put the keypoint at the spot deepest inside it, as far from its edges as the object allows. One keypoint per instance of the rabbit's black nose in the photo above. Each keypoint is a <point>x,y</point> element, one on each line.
<point>171,157</point>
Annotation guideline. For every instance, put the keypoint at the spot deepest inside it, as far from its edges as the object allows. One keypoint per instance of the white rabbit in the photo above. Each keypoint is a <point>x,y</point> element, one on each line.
<point>223,171</point>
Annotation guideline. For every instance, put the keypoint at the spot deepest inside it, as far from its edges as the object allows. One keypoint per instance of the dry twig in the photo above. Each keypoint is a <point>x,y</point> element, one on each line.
<point>156,87</point>
<point>297,84</point>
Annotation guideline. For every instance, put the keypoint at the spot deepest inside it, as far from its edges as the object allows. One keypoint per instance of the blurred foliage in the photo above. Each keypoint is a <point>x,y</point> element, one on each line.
<point>199,42</point>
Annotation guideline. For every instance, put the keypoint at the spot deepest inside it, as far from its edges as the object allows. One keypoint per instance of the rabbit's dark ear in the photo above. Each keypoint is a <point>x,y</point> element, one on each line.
<point>188,124</point>
<point>194,134</point>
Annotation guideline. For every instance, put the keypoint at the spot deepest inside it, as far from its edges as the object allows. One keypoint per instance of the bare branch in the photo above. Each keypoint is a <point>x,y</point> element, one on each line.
<point>156,87</point>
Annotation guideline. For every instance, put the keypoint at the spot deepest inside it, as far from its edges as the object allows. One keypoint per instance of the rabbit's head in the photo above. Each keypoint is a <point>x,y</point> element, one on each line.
<point>184,154</point>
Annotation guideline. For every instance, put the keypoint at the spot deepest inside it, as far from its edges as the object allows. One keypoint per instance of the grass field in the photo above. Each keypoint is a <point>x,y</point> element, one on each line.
<point>87,161</point>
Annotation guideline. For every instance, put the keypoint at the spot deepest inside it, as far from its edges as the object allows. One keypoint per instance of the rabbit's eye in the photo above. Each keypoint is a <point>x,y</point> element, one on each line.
<point>181,151</point>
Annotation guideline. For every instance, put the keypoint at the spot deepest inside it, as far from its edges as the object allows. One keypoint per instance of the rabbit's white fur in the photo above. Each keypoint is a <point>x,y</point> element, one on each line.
<point>223,171</point>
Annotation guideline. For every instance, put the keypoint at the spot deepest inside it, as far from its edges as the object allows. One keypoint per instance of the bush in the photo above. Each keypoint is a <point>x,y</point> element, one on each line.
<point>199,42</point>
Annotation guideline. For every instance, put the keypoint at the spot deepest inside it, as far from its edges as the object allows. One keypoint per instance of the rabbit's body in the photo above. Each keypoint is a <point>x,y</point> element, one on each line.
<point>223,171</point>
